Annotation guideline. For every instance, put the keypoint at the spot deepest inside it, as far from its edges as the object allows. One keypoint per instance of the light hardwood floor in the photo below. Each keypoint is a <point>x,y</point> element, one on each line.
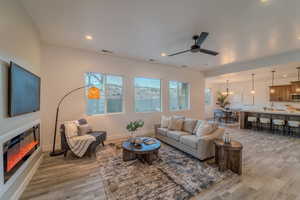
<point>271,170</point>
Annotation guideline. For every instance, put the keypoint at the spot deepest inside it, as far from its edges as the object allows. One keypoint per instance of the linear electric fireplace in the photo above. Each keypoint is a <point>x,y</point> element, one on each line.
<point>18,149</point>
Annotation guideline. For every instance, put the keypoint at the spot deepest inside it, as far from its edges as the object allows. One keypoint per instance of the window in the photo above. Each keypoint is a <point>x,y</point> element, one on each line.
<point>207,96</point>
<point>111,93</point>
<point>147,95</point>
<point>178,96</point>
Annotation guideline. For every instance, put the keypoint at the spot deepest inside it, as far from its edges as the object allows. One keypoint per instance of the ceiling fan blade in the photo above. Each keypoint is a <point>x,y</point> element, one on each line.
<point>201,38</point>
<point>214,53</point>
<point>174,54</point>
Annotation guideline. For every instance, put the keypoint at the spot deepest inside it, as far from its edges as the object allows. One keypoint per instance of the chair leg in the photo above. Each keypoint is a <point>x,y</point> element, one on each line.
<point>65,153</point>
<point>102,143</point>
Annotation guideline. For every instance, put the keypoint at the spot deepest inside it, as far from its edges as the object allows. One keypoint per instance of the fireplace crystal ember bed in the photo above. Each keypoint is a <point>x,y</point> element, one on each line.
<point>18,149</point>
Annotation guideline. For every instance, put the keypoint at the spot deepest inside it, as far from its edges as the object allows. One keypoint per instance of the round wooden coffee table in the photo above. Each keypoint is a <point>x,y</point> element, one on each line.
<point>229,156</point>
<point>147,152</point>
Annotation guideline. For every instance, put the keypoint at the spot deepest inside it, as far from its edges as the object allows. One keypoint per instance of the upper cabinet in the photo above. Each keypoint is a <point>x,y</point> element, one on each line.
<point>281,93</point>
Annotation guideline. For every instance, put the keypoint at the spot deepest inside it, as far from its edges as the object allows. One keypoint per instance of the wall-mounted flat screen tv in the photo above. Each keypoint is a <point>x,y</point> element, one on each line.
<point>24,91</point>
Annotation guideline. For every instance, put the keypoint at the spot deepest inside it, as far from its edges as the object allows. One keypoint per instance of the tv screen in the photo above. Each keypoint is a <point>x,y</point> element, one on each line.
<point>24,91</point>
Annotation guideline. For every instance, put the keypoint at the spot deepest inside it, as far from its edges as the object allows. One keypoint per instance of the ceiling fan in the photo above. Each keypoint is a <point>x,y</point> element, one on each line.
<point>199,39</point>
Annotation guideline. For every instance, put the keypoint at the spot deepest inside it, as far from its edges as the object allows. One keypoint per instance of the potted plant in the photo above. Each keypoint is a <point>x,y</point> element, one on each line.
<point>222,100</point>
<point>132,127</point>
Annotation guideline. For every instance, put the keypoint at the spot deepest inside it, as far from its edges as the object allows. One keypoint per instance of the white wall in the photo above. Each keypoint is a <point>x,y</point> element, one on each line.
<point>19,42</point>
<point>242,97</point>
<point>63,69</point>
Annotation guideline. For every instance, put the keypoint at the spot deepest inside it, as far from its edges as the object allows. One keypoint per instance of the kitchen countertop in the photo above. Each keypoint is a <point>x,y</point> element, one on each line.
<point>294,113</point>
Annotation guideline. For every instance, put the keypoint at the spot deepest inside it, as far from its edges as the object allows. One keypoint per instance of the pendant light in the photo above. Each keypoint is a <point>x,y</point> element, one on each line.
<point>227,92</point>
<point>298,86</point>
<point>272,89</point>
<point>253,90</point>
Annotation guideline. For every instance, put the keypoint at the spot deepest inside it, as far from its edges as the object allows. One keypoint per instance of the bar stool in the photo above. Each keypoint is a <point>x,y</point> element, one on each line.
<point>293,126</point>
<point>278,125</point>
<point>252,121</point>
<point>265,122</point>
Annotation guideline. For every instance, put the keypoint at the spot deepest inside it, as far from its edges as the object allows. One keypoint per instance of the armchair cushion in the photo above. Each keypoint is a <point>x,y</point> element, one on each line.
<point>84,129</point>
<point>71,129</point>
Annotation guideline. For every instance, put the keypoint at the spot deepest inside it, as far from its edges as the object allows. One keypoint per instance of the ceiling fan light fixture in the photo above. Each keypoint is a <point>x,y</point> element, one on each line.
<point>163,54</point>
<point>89,37</point>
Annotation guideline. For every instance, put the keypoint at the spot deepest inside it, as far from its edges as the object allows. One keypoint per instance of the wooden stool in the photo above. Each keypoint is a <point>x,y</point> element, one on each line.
<point>229,156</point>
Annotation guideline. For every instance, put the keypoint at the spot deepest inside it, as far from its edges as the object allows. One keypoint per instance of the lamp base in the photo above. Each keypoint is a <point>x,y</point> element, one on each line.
<point>56,153</point>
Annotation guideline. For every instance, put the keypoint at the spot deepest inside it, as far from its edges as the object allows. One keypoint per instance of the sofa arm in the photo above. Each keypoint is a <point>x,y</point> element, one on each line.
<point>156,126</point>
<point>206,147</point>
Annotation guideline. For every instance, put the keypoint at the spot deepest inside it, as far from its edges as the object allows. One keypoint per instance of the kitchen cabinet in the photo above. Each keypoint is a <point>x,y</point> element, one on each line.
<point>281,93</point>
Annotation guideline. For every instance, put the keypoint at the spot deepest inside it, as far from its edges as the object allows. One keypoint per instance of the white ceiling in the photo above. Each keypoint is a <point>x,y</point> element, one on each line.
<point>239,29</point>
<point>287,71</point>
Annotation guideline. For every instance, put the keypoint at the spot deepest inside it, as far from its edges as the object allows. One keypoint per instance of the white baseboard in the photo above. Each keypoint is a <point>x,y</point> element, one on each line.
<point>22,187</point>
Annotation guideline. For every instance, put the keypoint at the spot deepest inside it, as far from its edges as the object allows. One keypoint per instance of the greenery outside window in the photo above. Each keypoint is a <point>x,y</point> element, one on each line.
<point>111,91</point>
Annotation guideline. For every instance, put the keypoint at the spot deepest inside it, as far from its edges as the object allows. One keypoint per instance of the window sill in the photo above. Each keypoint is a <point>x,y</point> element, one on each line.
<point>106,114</point>
<point>184,110</point>
<point>148,112</point>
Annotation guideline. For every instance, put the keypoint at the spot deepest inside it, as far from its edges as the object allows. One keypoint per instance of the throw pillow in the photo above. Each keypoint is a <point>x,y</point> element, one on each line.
<point>189,125</point>
<point>71,128</point>
<point>198,124</point>
<point>84,129</point>
<point>206,129</point>
<point>176,124</point>
<point>165,122</point>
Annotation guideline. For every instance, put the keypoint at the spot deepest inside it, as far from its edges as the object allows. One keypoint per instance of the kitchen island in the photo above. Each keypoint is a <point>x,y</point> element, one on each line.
<point>288,115</point>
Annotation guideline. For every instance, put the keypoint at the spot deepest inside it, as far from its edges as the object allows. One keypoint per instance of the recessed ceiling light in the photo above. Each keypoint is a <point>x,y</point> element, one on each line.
<point>88,37</point>
<point>298,37</point>
<point>284,75</point>
<point>163,54</point>
<point>264,1</point>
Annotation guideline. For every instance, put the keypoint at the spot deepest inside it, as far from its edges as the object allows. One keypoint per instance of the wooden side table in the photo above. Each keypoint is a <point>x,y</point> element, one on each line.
<point>229,156</point>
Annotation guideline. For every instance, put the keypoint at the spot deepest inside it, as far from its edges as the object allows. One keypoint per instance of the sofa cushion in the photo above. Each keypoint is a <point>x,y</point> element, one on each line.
<point>176,123</point>
<point>198,124</point>
<point>189,125</point>
<point>206,128</point>
<point>162,131</point>
<point>190,140</point>
<point>164,123</point>
<point>176,134</point>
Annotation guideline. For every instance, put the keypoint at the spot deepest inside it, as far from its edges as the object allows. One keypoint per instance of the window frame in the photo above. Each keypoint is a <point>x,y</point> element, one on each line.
<point>189,97</point>
<point>210,99</point>
<point>160,91</point>
<point>105,92</point>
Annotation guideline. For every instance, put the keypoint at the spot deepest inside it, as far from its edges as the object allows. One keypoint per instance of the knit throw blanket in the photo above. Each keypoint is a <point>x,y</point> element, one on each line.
<point>78,144</point>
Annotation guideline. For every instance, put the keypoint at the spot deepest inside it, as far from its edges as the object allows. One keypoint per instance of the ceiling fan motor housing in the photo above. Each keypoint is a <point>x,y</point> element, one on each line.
<point>195,48</point>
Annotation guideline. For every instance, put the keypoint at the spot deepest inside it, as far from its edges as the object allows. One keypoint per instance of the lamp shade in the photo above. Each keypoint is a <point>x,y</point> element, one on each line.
<point>93,93</point>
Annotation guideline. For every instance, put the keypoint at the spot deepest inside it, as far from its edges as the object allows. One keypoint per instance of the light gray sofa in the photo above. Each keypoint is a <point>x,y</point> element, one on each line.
<point>199,147</point>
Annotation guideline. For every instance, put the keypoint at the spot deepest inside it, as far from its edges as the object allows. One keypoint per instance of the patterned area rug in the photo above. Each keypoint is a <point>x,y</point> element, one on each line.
<point>175,175</point>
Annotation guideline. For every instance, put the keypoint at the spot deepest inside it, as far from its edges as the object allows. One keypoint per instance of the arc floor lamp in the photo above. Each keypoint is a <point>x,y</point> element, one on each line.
<point>93,93</point>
